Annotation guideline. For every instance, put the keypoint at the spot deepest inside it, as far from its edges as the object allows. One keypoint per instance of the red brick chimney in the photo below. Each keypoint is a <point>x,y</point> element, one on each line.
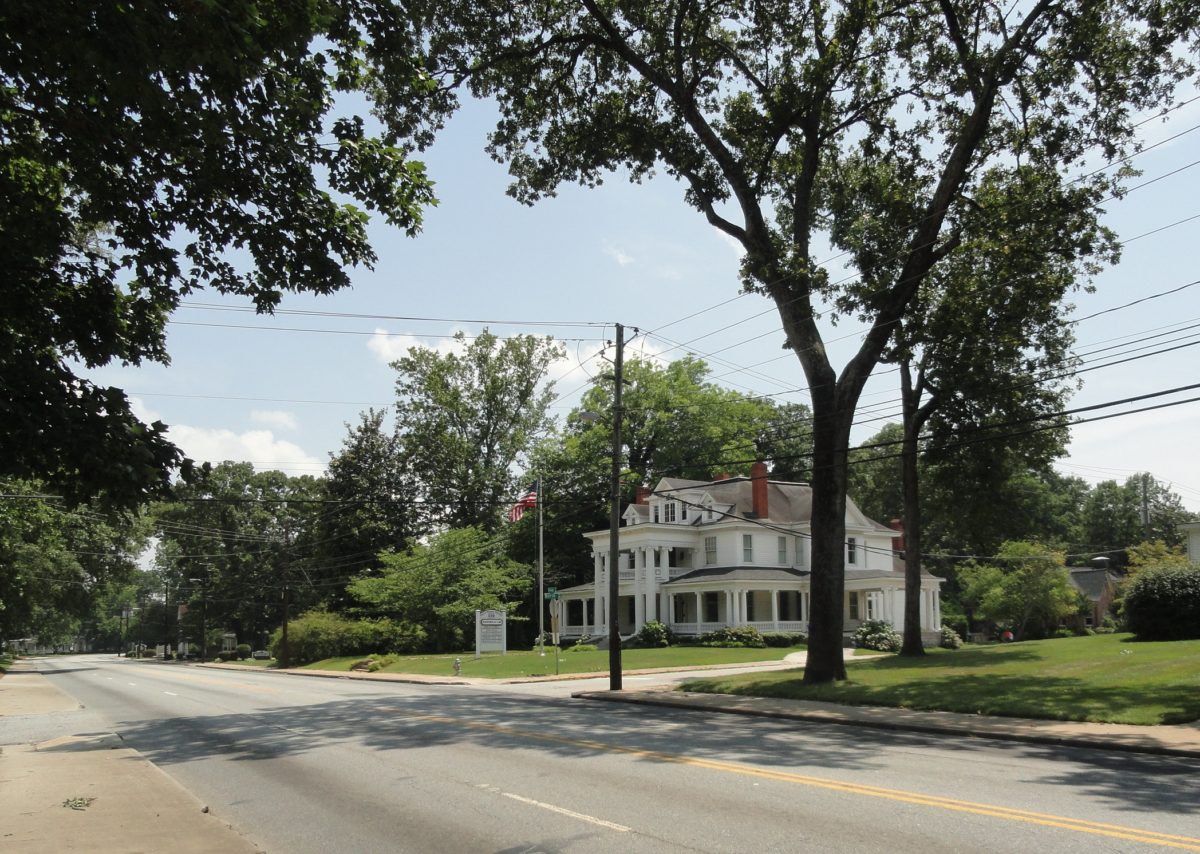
<point>758,489</point>
<point>898,541</point>
<point>643,495</point>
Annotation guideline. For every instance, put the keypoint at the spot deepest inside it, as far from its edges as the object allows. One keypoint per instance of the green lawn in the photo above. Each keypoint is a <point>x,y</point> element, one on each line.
<point>1108,678</point>
<point>522,663</point>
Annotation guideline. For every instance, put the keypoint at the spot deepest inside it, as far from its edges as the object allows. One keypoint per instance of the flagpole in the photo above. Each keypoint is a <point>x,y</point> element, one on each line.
<point>541,602</point>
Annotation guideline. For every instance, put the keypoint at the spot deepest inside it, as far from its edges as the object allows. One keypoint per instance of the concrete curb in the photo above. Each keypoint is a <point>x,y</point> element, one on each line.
<point>1181,741</point>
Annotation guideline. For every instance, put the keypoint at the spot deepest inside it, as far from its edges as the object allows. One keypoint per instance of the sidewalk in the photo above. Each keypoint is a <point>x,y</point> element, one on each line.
<point>91,793</point>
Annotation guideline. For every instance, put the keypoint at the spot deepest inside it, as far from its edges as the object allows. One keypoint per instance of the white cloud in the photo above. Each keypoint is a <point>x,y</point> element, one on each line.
<point>259,447</point>
<point>143,413</point>
<point>732,242</point>
<point>389,347</point>
<point>215,445</point>
<point>275,418</point>
<point>618,255</point>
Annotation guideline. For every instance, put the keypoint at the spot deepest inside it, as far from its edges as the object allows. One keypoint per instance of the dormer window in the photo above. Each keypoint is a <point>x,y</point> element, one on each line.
<point>655,508</point>
<point>670,512</point>
<point>683,511</point>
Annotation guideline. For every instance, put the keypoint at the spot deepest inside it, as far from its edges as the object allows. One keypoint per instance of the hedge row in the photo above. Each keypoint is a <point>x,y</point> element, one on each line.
<point>318,635</point>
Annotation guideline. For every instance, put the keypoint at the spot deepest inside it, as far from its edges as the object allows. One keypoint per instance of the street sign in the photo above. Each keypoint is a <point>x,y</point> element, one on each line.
<point>551,594</point>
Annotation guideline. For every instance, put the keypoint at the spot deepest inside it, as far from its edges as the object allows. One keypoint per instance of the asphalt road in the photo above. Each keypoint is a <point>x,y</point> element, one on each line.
<point>318,765</point>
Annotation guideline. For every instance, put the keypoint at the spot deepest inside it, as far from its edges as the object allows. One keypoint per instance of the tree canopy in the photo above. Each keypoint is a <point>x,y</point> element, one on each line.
<point>171,147</point>
<point>790,122</point>
<point>463,420</point>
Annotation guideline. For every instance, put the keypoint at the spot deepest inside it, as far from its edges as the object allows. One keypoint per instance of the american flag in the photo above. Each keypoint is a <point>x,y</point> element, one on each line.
<point>528,499</point>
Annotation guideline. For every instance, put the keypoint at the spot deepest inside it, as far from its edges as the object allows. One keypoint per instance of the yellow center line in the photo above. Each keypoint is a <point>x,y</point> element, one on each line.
<point>1115,831</point>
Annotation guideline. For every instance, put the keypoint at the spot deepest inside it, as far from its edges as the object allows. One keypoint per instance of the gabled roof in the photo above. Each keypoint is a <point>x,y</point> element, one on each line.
<point>1092,581</point>
<point>787,502</point>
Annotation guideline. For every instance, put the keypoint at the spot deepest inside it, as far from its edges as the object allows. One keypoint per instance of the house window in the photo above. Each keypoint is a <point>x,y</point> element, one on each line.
<point>851,551</point>
<point>783,550</point>
<point>711,611</point>
<point>708,512</point>
<point>656,513</point>
<point>853,606</point>
<point>799,551</point>
<point>683,510</point>
<point>870,597</point>
<point>748,548</point>
<point>710,550</point>
<point>670,514</point>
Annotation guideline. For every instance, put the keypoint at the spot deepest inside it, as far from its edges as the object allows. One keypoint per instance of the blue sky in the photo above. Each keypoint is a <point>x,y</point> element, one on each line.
<point>636,254</point>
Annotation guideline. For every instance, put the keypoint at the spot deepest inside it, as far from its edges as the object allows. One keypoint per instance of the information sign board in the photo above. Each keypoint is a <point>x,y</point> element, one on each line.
<point>491,632</point>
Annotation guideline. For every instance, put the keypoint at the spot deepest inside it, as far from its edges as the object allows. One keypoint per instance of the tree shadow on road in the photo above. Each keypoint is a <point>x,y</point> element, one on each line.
<point>581,730</point>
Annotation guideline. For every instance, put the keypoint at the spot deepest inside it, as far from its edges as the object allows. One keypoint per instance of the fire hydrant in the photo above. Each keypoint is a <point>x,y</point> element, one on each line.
<point>458,667</point>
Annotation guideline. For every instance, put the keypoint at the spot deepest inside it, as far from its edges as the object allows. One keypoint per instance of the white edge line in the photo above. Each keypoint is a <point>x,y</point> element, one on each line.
<point>563,811</point>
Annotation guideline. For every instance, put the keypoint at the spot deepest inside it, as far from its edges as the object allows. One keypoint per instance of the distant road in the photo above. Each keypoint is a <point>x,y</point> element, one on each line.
<point>320,765</point>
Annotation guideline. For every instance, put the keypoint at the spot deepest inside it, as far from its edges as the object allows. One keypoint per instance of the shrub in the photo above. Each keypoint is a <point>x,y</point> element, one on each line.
<point>318,635</point>
<point>1063,632</point>
<point>582,647</point>
<point>654,634</point>
<point>879,635</point>
<point>243,651</point>
<point>1164,603</point>
<point>950,639</point>
<point>734,637</point>
<point>784,639</point>
<point>226,655</point>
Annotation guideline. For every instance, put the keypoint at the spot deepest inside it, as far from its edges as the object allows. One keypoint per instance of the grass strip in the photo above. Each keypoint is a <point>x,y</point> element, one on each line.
<point>1102,678</point>
<point>518,663</point>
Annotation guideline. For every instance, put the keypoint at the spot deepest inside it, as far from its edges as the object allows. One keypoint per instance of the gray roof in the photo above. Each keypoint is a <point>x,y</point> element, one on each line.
<point>1092,582</point>
<point>787,502</point>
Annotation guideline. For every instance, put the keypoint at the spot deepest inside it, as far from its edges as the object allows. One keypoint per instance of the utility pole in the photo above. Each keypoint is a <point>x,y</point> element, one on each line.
<point>284,652</point>
<point>1146,506</point>
<point>166,618</point>
<point>541,596</point>
<point>614,522</point>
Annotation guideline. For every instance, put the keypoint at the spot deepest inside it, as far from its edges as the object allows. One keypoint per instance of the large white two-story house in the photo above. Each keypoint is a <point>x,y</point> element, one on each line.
<point>701,555</point>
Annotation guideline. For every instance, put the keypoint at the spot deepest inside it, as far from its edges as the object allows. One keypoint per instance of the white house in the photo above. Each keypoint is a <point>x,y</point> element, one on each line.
<point>701,555</point>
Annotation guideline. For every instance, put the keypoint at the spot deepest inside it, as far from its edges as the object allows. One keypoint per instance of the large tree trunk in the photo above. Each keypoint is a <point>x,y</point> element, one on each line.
<point>913,420</point>
<point>828,579</point>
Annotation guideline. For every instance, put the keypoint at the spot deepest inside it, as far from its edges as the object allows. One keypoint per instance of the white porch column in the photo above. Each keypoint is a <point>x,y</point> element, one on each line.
<point>639,586</point>
<point>775,610</point>
<point>699,611</point>
<point>598,569</point>
<point>652,583</point>
<point>936,595</point>
<point>670,606</point>
<point>924,609</point>
<point>804,606</point>
<point>742,607</point>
